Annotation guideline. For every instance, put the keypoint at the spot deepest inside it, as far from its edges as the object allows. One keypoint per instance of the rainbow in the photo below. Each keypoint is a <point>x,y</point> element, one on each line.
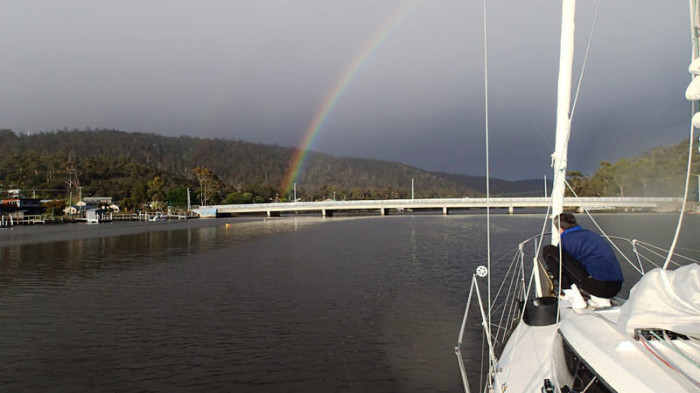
<point>299,155</point>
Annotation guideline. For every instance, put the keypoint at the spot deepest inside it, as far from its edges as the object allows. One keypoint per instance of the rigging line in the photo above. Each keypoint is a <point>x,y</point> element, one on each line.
<point>690,357</point>
<point>507,297</point>
<point>460,338</point>
<point>487,332</point>
<point>512,267</point>
<point>676,254</point>
<point>509,314</point>
<point>539,247</point>
<point>685,192</point>
<point>668,362</point>
<point>651,248</point>
<point>466,311</point>
<point>650,245</point>
<point>520,291</point>
<point>510,295</point>
<point>544,225</point>
<point>686,249</point>
<point>517,257</point>
<point>635,250</point>
<point>658,255</point>
<point>508,274</point>
<point>536,253</point>
<point>514,281</point>
<point>585,61</point>
<point>687,258</point>
<point>588,213</point>
<point>650,261</point>
<point>488,191</point>
<point>517,330</point>
<point>669,344</point>
<point>693,56</point>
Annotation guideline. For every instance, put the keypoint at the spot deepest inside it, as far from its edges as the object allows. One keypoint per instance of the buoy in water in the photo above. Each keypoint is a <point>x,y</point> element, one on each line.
<point>228,226</point>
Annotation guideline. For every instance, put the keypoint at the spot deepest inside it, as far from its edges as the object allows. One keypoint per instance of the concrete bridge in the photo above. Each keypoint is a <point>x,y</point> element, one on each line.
<point>327,208</point>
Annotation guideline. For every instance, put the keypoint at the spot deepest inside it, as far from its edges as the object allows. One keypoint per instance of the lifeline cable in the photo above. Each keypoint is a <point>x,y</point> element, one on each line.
<point>588,213</point>
<point>649,245</point>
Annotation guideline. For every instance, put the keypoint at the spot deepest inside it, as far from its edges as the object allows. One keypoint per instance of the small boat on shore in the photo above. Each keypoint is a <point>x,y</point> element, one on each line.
<point>158,217</point>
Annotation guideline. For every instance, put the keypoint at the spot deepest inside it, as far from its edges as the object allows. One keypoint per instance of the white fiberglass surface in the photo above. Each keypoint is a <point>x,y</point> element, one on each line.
<point>622,362</point>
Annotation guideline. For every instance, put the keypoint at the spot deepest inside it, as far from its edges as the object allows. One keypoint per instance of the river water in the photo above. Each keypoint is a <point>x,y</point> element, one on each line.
<point>290,304</point>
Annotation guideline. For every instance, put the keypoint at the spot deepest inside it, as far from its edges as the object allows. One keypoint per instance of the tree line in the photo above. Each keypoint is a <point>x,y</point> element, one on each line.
<point>139,170</point>
<point>659,172</point>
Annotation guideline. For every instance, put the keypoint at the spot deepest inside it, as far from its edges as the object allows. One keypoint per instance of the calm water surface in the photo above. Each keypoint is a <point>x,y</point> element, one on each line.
<point>293,304</point>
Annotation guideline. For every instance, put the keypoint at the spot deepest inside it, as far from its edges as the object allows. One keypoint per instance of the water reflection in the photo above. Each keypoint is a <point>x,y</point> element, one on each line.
<point>369,304</point>
<point>52,251</point>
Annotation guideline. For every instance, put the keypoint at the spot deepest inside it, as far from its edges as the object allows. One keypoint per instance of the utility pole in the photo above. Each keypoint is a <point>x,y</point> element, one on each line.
<point>295,192</point>
<point>70,194</point>
<point>413,194</point>
<point>545,186</point>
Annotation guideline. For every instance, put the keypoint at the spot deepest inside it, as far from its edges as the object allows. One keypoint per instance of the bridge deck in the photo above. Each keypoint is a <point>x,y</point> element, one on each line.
<point>446,204</point>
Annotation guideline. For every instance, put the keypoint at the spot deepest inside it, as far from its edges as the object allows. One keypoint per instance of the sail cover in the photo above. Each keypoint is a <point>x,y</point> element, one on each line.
<point>665,299</point>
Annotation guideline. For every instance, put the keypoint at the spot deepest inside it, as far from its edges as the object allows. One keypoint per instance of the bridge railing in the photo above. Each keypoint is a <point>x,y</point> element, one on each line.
<point>439,202</point>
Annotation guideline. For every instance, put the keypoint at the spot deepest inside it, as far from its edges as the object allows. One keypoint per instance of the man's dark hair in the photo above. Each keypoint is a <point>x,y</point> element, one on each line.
<point>566,220</point>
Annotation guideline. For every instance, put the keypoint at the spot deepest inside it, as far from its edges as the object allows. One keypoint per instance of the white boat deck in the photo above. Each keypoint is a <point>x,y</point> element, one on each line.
<point>621,361</point>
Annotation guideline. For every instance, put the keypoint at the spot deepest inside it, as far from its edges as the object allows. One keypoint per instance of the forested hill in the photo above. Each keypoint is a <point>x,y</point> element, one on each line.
<point>124,165</point>
<point>661,172</point>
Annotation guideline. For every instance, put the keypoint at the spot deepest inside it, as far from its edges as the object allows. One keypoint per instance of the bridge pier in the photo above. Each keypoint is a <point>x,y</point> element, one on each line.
<point>445,211</point>
<point>510,209</point>
<point>384,211</point>
<point>581,209</point>
<point>327,213</point>
<point>270,213</point>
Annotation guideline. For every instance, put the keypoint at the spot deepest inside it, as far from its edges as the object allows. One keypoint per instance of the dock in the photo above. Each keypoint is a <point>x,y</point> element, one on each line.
<point>8,221</point>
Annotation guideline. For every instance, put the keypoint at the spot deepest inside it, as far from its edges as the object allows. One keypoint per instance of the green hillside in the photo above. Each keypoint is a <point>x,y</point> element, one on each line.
<point>661,172</point>
<point>135,168</point>
<point>138,167</point>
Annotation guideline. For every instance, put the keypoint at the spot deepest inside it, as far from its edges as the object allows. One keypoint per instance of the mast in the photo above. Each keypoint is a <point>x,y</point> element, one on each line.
<point>566,59</point>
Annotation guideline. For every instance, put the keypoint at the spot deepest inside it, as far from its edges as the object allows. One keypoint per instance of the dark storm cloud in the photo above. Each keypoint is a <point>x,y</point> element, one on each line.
<point>260,71</point>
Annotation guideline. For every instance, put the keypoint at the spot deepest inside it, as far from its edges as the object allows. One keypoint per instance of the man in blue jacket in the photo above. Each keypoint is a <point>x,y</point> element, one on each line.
<point>588,260</point>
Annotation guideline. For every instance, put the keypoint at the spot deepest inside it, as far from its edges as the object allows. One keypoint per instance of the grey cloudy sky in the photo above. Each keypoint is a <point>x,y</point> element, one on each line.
<point>260,71</point>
